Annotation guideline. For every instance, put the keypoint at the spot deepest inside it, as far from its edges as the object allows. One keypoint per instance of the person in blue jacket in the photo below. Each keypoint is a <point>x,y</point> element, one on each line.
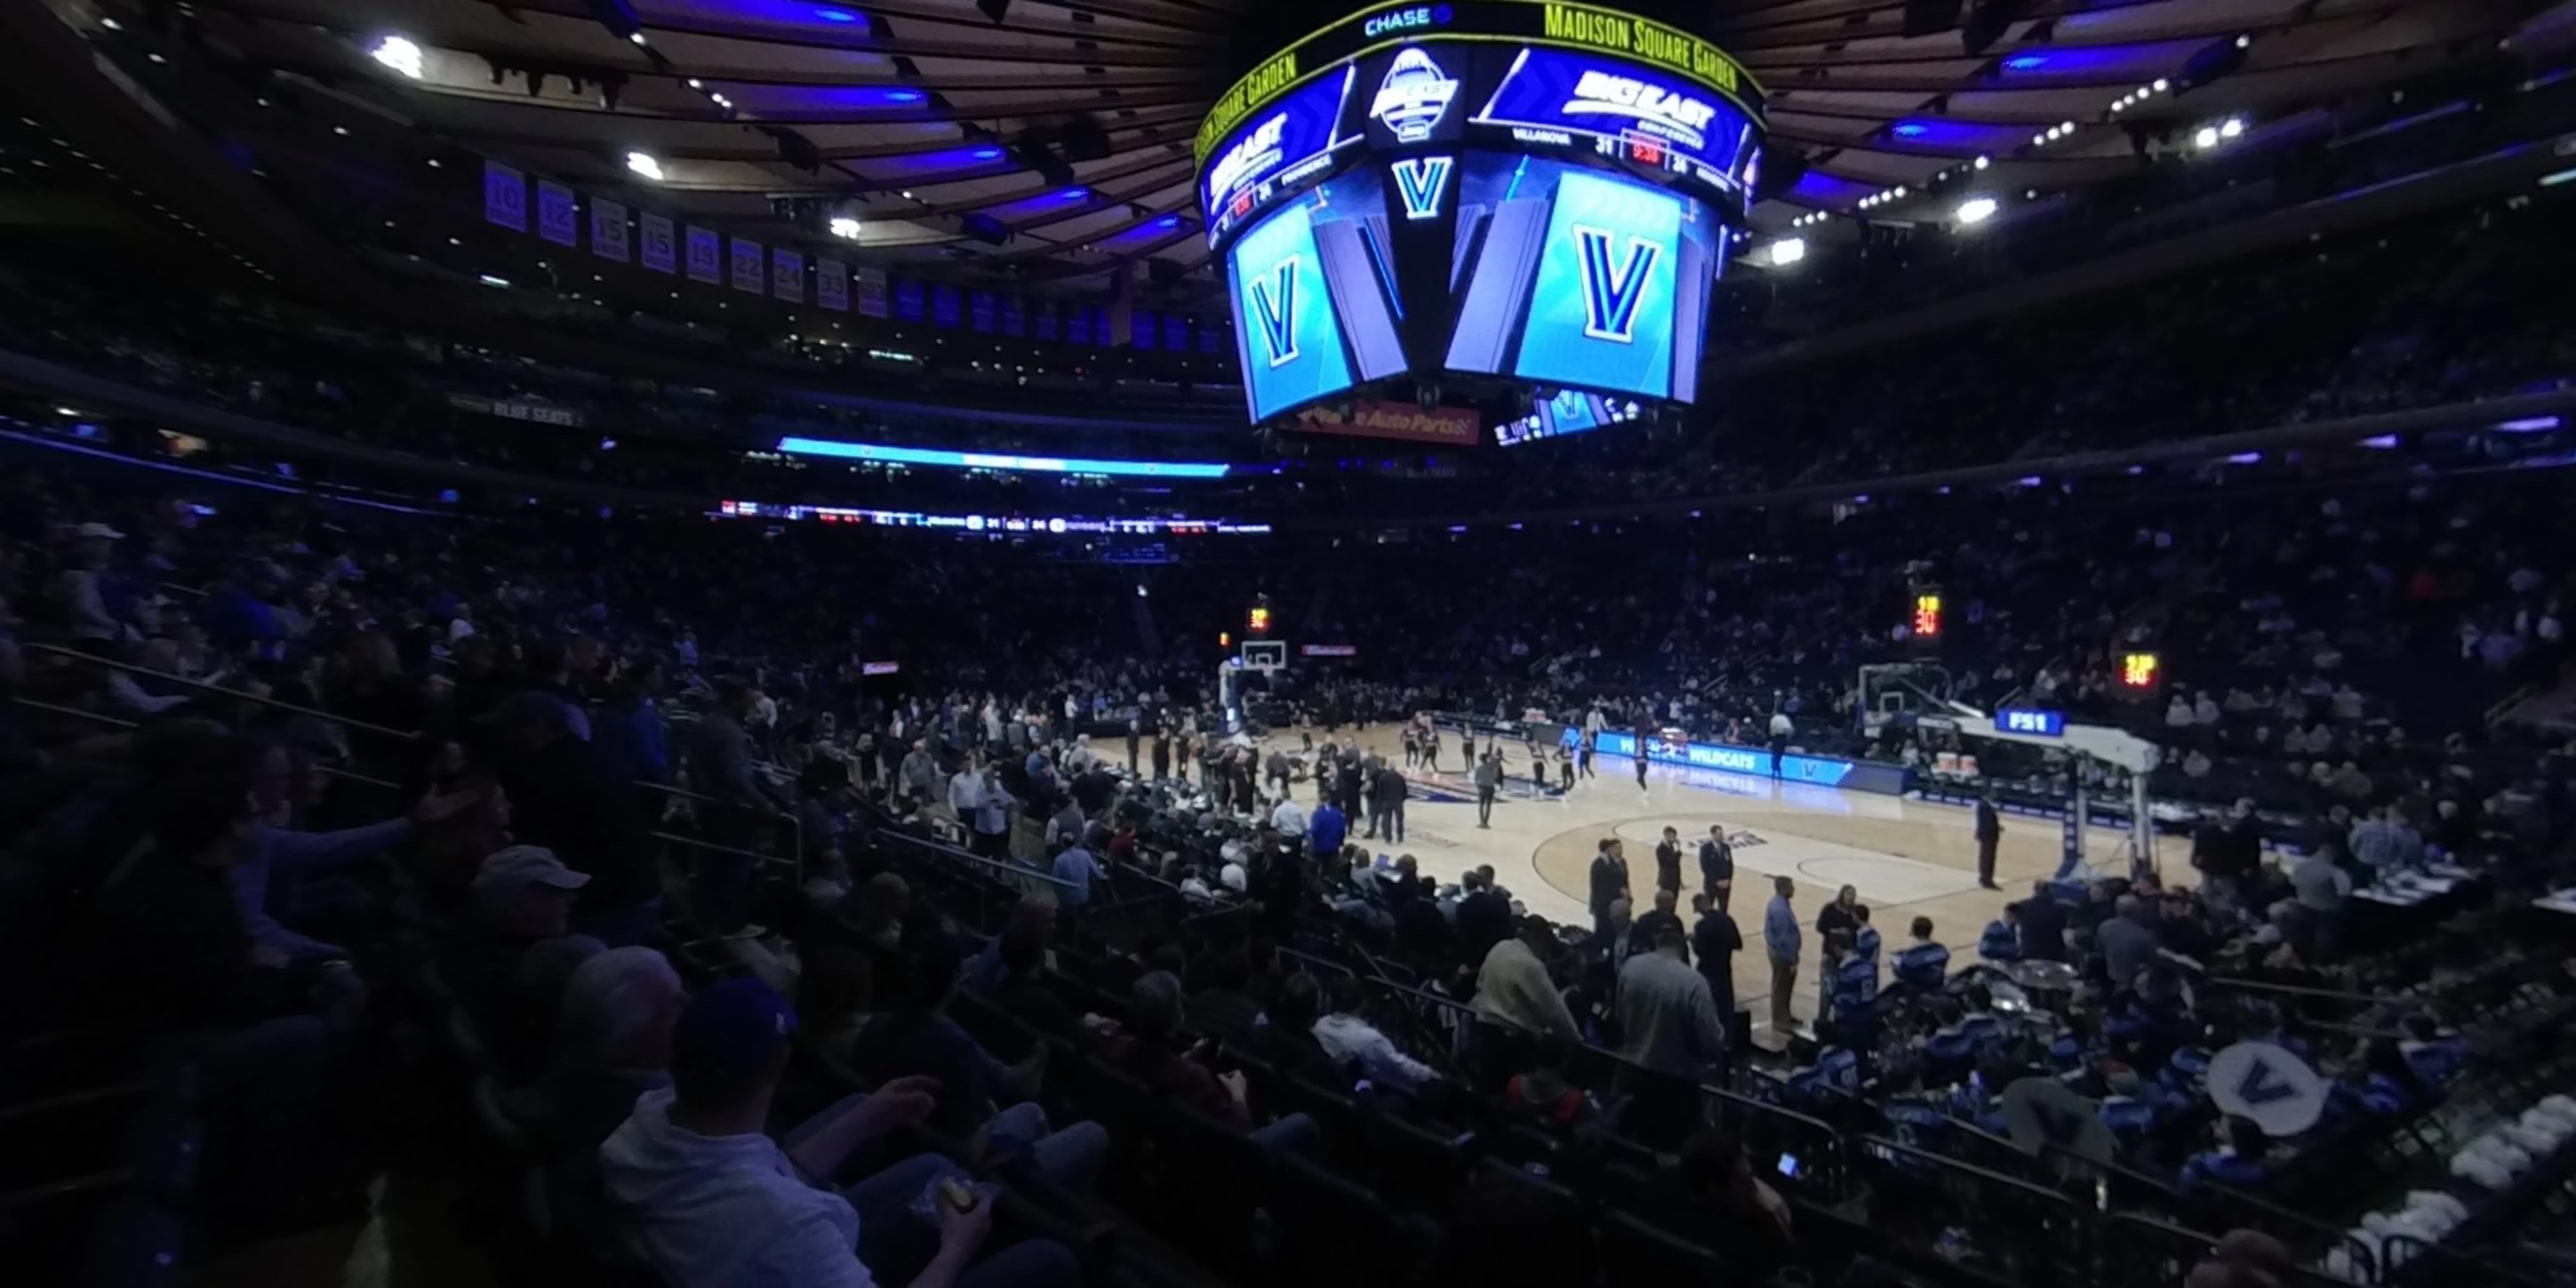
<point>1924,965</point>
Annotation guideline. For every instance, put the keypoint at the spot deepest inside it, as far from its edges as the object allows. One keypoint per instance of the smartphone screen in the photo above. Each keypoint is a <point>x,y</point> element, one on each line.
<point>1789,1166</point>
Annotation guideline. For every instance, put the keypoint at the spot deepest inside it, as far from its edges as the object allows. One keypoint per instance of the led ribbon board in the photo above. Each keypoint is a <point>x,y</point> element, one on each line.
<point>1557,97</point>
<point>1292,138</point>
<point>1668,51</point>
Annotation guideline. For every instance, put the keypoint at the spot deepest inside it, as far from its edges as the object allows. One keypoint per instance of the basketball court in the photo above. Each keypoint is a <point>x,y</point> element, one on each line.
<point>1906,858</point>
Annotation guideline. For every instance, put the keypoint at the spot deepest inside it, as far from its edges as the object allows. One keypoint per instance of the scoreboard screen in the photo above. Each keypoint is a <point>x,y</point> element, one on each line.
<point>1534,192</point>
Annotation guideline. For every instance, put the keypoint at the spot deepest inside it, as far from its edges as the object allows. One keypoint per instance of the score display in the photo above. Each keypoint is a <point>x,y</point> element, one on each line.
<point>1514,189</point>
<point>1518,97</point>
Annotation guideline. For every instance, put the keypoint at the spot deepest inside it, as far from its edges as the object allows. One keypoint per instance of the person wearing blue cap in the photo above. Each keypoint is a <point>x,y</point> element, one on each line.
<point>710,1201</point>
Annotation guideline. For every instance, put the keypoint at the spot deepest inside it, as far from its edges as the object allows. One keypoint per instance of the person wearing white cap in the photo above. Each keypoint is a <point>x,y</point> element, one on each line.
<point>76,588</point>
<point>522,896</point>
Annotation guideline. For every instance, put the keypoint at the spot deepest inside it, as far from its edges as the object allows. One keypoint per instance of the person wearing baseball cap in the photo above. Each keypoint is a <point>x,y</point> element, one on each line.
<point>522,896</point>
<point>710,1201</point>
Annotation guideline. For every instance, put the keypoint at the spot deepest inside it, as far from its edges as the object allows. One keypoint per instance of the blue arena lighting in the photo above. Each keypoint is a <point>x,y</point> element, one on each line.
<point>997,461</point>
<point>2026,62</point>
<point>836,15</point>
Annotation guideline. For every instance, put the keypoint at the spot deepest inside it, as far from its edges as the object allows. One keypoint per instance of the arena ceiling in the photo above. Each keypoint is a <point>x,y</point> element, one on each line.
<point>1061,130</point>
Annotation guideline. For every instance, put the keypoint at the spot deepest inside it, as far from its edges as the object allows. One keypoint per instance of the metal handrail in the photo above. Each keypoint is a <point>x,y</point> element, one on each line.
<point>166,677</point>
<point>1007,871</point>
<point>788,817</point>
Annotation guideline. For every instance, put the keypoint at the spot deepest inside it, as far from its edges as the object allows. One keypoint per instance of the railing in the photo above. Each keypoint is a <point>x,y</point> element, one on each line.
<point>982,876</point>
<point>2039,1236</point>
<point>795,827</point>
<point>165,677</point>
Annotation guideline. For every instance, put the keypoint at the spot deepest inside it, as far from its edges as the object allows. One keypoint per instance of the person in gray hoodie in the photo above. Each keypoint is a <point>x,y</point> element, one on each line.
<point>710,1201</point>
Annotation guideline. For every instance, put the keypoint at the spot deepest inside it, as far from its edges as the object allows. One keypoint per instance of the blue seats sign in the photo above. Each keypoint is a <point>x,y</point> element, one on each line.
<point>2269,1085</point>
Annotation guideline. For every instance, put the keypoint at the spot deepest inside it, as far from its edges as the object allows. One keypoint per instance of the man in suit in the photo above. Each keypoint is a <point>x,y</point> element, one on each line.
<point>1717,866</point>
<point>2043,925</point>
<point>1990,829</point>
<point>1609,882</point>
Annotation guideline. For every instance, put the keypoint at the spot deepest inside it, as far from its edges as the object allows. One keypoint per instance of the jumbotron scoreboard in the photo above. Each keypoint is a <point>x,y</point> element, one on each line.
<point>1506,195</point>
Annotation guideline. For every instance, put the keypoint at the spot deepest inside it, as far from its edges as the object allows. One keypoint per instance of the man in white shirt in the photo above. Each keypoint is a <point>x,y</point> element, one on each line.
<point>1290,818</point>
<point>1351,1040</point>
<point>709,1201</point>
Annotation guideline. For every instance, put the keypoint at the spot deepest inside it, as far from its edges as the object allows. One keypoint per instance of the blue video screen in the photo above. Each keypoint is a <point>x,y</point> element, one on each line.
<point>1616,108</point>
<point>1290,142</point>
<point>1601,312</point>
<point>1569,276</point>
<point>1286,331</point>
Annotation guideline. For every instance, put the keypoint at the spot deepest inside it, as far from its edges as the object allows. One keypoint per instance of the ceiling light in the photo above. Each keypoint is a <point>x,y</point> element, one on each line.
<point>111,24</point>
<point>1983,162</point>
<point>695,83</point>
<point>1976,210</point>
<point>341,130</point>
<point>2162,85</point>
<point>635,36</point>
<point>2243,42</point>
<point>1786,251</point>
<point>645,164</point>
<point>843,226</point>
<point>2205,138</point>
<point>398,53</point>
<point>2231,127</point>
<point>488,280</point>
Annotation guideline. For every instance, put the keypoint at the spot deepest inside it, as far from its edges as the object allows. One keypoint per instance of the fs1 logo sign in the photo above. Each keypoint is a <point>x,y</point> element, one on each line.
<point>1419,181</point>
<point>1613,288</point>
<point>1413,96</point>
<point>1274,310</point>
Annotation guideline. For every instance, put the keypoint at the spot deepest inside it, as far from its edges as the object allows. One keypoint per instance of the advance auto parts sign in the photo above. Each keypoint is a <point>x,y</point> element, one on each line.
<point>1450,426</point>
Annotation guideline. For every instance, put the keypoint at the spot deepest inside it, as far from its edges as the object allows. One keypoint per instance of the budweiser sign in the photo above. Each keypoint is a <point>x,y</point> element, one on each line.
<point>1455,426</point>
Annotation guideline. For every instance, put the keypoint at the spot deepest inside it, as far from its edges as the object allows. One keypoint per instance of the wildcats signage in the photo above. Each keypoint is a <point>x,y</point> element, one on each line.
<point>1449,426</point>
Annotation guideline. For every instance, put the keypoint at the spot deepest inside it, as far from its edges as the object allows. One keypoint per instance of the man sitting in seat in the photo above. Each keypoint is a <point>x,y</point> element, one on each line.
<point>709,1201</point>
<point>1147,1048</point>
<point>918,1039</point>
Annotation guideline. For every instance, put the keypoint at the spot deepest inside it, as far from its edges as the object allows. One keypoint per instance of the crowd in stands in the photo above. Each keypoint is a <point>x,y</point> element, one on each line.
<point>368,782</point>
<point>604,849</point>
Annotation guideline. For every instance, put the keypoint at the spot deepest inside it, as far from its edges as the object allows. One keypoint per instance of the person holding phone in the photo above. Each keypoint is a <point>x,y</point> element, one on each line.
<point>711,1201</point>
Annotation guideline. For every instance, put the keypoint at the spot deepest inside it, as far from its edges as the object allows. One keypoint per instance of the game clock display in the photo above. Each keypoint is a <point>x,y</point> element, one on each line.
<point>1534,193</point>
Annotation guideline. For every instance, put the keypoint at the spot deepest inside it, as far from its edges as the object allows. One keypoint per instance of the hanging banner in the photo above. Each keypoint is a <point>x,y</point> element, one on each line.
<point>558,217</point>
<point>607,229</point>
<point>706,256</point>
<point>871,291</point>
<point>505,197</point>
<point>787,275</point>
<point>750,266</point>
<point>832,284</point>
<point>658,249</point>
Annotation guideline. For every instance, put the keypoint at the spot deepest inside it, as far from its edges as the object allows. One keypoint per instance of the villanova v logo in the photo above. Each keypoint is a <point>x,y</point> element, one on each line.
<point>1420,181</point>
<point>1612,291</point>
<point>1274,307</point>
